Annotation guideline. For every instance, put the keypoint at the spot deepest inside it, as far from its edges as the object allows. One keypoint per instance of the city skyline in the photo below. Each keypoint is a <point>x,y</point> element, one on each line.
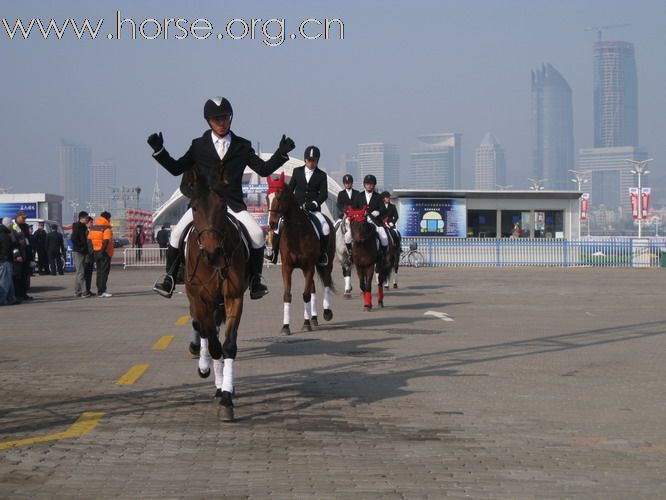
<point>394,77</point>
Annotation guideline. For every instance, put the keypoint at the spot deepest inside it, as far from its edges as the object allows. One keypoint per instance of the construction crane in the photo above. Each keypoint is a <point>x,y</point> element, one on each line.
<point>599,29</point>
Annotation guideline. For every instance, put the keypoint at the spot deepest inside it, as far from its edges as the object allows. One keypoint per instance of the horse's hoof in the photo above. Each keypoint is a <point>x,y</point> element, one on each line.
<point>214,348</point>
<point>328,314</point>
<point>367,308</point>
<point>218,393</point>
<point>395,285</point>
<point>306,326</point>
<point>380,303</point>
<point>314,321</point>
<point>386,287</point>
<point>194,349</point>
<point>347,295</point>
<point>226,406</point>
<point>203,374</point>
<point>285,330</point>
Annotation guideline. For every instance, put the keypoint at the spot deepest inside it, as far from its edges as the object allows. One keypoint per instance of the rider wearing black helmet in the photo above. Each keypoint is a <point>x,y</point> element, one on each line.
<point>375,209</point>
<point>220,148</point>
<point>346,195</point>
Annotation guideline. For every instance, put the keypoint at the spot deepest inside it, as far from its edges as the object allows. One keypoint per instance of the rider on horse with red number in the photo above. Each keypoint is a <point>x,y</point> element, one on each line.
<point>375,210</point>
<point>220,149</point>
<point>309,184</point>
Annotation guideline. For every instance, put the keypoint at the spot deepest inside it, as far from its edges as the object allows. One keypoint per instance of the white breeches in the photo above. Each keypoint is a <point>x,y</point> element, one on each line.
<point>254,230</point>
<point>381,232</point>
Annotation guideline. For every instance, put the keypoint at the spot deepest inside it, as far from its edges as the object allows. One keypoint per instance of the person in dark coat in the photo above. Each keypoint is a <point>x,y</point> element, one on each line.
<point>220,149</point>
<point>375,209</point>
<point>39,243</point>
<point>9,251</point>
<point>310,187</point>
<point>23,268</point>
<point>391,217</point>
<point>80,250</point>
<point>55,245</point>
<point>163,240</point>
<point>346,195</point>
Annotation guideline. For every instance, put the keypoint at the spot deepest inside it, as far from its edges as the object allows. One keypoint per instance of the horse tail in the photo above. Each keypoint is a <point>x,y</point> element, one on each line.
<point>321,273</point>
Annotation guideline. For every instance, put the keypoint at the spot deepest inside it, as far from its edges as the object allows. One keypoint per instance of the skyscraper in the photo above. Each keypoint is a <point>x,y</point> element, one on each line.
<point>381,160</point>
<point>102,177</point>
<point>489,164</point>
<point>615,95</point>
<point>436,162</point>
<point>552,128</point>
<point>74,178</point>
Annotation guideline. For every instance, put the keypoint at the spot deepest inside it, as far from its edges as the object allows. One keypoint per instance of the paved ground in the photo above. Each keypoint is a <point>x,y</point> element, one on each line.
<point>548,383</point>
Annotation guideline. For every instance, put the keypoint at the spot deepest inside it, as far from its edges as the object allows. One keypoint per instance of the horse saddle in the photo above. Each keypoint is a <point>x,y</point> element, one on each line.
<point>317,224</point>
<point>242,230</point>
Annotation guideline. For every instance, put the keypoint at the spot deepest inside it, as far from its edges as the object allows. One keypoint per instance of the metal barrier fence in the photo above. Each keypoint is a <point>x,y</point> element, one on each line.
<point>505,252</point>
<point>499,252</point>
<point>144,257</point>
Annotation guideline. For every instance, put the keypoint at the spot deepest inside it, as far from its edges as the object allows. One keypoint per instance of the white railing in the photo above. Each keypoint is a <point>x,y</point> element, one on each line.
<point>504,252</point>
<point>144,257</point>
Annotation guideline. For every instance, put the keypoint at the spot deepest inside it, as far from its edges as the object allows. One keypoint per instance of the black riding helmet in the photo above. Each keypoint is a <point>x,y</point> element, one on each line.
<point>312,153</point>
<point>347,178</point>
<point>370,179</point>
<point>217,107</point>
<point>386,194</point>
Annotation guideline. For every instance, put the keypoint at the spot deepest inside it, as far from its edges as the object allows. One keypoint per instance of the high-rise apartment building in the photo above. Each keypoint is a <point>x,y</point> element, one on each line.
<point>552,128</point>
<point>489,164</point>
<point>381,160</point>
<point>609,174</point>
<point>74,178</point>
<point>102,178</point>
<point>615,95</point>
<point>436,162</point>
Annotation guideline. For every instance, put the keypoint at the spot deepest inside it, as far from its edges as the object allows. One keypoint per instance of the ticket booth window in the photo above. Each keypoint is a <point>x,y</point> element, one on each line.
<point>521,218</point>
<point>548,224</point>
<point>482,223</point>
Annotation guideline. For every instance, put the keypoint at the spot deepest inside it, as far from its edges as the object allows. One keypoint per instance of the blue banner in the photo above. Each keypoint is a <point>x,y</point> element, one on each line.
<point>10,209</point>
<point>423,217</point>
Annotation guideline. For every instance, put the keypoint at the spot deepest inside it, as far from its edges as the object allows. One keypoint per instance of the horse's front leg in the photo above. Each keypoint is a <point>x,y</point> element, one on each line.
<point>224,370</point>
<point>286,298</point>
<point>314,320</point>
<point>308,297</point>
<point>365,283</point>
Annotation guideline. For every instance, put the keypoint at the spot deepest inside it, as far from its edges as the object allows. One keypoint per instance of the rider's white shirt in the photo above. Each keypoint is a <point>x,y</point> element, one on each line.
<point>221,144</point>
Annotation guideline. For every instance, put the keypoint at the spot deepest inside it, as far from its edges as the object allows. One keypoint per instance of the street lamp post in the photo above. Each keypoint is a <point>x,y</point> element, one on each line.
<point>580,179</point>
<point>537,184</point>
<point>640,168</point>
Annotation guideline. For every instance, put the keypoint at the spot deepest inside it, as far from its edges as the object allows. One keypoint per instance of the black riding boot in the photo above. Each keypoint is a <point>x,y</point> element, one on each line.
<point>257,288</point>
<point>323,254</point>
<point>166,288</point>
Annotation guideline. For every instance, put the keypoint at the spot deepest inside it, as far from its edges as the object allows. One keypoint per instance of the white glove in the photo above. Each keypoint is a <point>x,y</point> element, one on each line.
<point>375,213</point>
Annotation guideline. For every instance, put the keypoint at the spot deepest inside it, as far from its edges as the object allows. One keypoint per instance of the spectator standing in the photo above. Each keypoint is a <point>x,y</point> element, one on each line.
<point>22,266</point>
<point>100,245</point>
<point>139,240</point>
<point>80,249</point>
<point>8,252</point>
<point>88,262</point>
<point>55,246</point>
<point>163,240</point>
<point>39,244</point>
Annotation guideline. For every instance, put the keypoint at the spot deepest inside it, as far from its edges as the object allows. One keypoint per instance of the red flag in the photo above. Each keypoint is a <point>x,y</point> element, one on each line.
<point>633,195</point>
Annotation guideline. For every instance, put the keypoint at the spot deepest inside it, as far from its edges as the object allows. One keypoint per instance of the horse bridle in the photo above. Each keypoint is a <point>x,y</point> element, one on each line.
<point>220,271</point>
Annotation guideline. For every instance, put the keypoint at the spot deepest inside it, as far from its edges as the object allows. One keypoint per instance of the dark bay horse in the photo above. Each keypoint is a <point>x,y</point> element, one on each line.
<point>299,249</point>
<point>367,258</point>
<point>216,277</point>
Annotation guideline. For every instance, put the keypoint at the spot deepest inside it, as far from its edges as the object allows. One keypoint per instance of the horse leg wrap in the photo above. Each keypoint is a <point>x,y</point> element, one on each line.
<point>285,313</point>
<point>306,309</point>
<point>313,305</point>
<point>367,298</point>
<point>347,283</point>
<point>327,297</point>
<point>228,375</point>
<point>204,357</point>
<point>219,374</point>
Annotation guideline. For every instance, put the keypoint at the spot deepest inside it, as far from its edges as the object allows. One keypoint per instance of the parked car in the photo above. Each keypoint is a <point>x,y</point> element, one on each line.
<point>120,242</point>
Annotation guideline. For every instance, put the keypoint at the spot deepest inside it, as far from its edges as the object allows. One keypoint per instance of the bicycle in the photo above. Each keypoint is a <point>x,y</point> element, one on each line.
<point>412,256</point>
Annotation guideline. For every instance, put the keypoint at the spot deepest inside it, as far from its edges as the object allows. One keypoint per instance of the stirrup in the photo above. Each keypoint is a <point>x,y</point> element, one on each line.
<point>165,291</point>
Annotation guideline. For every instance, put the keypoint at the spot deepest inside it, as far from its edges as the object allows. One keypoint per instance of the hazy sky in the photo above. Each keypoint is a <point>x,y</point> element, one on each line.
<point>403,69</point>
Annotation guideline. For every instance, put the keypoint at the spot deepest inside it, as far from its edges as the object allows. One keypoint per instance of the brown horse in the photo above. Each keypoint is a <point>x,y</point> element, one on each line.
<point>367,258</point>
<point>299,249</point>
<point>216,277</point>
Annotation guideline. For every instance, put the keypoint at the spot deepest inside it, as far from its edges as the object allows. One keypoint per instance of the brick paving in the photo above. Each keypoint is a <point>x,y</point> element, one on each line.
<point>547,384</point>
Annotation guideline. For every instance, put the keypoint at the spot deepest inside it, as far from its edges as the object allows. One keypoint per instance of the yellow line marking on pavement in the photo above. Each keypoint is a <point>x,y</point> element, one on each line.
<point>132,375</point>
<point>83,425</point>
<point>163,343</point>
<point>183,320</point>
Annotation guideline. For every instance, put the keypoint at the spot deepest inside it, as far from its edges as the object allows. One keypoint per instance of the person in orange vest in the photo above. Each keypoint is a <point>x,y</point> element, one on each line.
<point>100,246</point>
